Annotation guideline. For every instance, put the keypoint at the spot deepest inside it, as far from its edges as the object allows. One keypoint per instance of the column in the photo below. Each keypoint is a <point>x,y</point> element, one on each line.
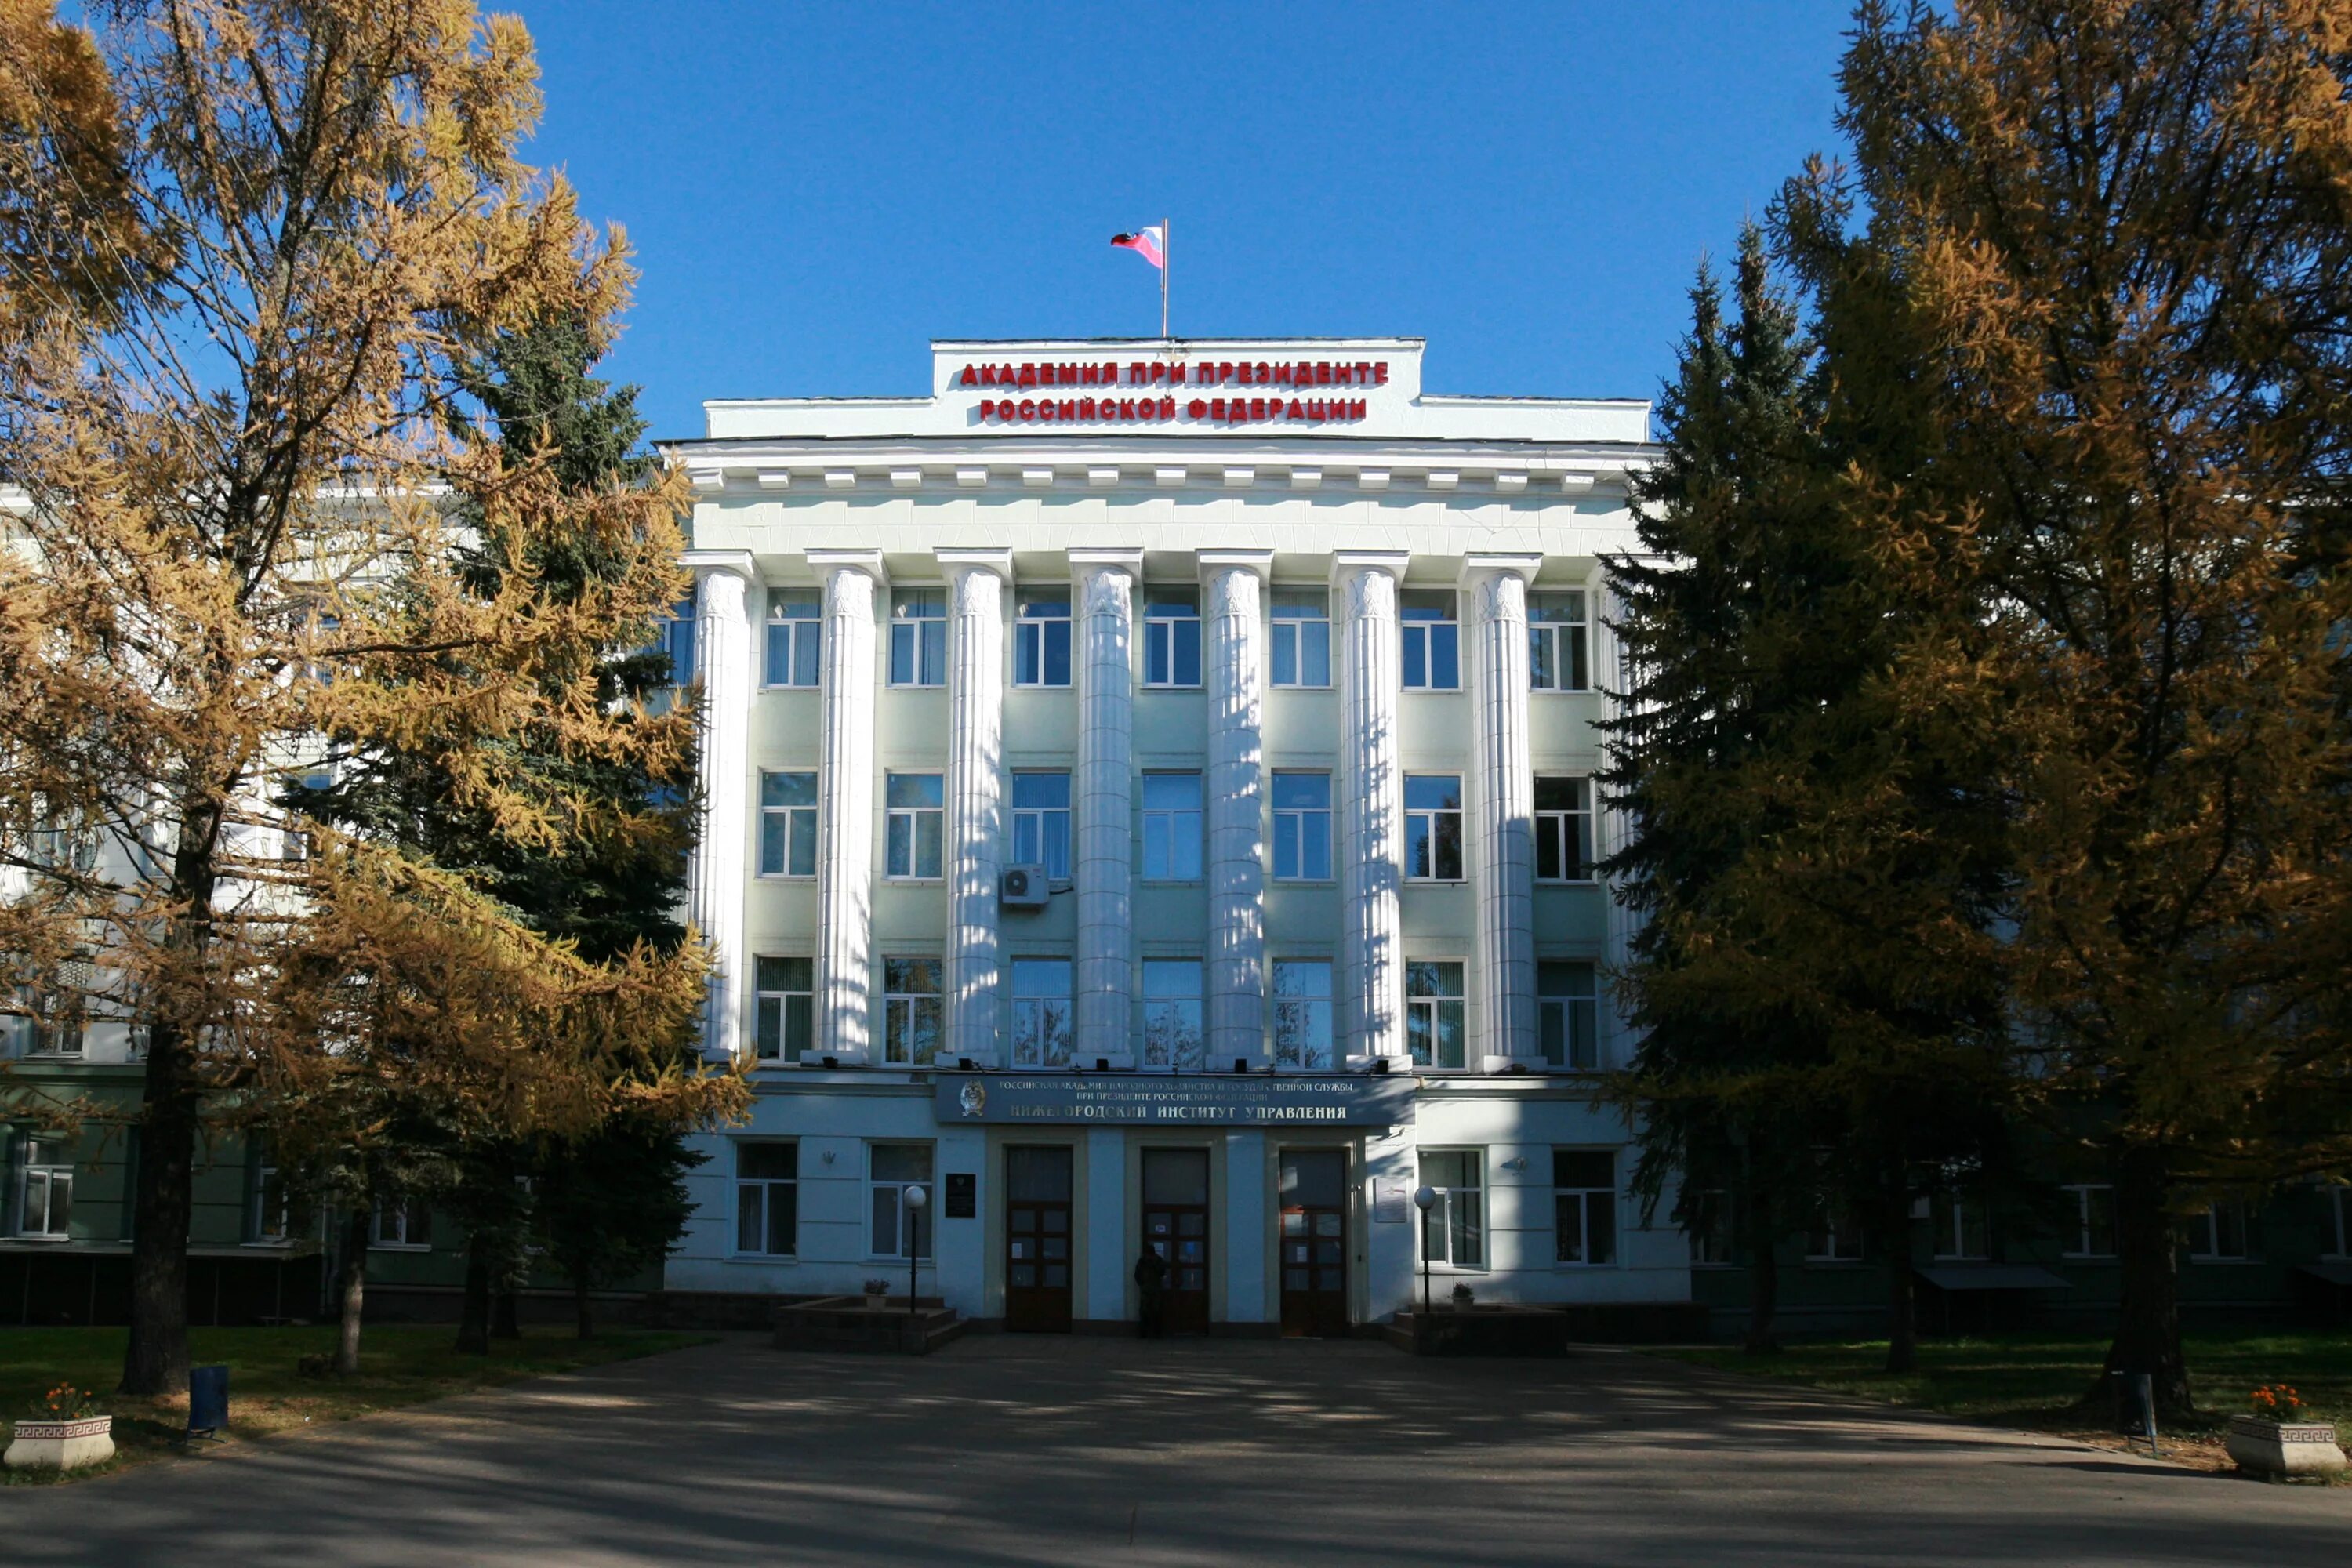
<point>1371,805</point>
<point>844,817</point>
<point>1617,1043</point>
<point>1232,581</point>
<point>722,644</point>
<point>975,804</point>
<point>1502,806</point>
<point>1102,586</point>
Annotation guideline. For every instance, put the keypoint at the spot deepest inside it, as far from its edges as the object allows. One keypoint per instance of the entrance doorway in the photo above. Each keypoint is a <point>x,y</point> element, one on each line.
<point>1314,1242</point>
<point>1176,1226</point>
<point>1038,1240</point>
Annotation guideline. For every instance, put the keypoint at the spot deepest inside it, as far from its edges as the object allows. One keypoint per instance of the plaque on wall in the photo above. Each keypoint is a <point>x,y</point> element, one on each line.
<point>963,1195</point>
<point>1389,1202</point>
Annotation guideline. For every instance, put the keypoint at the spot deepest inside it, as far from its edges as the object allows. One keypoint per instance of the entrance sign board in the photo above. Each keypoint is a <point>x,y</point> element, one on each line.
<point>1151,1100</point>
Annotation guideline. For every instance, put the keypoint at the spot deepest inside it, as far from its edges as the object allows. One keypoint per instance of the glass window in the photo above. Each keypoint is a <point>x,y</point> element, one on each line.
<point>2341,1213</point>
<point>678,641</point>
<point>784,1008</point>
<point>1434,1025</point>
<point>911,1011</point>
<point>46,1020</point>
<point>891,1168</point>
<point>1171,634</point>
<point>1040,822</point>
<point>1563,829</point>
<point>787,824</point>
<point>1432,826</point>
<point>1041,637</point>
<point>1041,1012</point>
<point>1302,1014</point>
<point>767,1198</point>
<point>1455,1229</point>
<point>1584,1205</point>
<point>1556,642</point>
<point>1568,1015</point>
<point>265,1200</point>
<point>404,1222</point>
<point>1958,1221</point>
<point>796,627</point>
<point>1833,1236</point>
<point>1171,827</point>
<point>915,805</point>
<point>2222,1234</point>
<point>1706,1220</point>
<point>46,1193</point>
<point>1302,825</point>
<point>918,637</point>
<point>1172,1014</point>
<point>1433,643</point>
<point>1302,637</point>
<point>2092,1232</point>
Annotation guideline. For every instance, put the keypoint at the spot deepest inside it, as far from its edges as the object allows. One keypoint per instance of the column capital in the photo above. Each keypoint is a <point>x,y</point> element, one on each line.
<point>957,561</point>
<point>1475,567</point>
<point>866,560</point>
<point>1131,560</point>
<point>1346,563</point>
<point>1258,561</point>
<point>711,562</point>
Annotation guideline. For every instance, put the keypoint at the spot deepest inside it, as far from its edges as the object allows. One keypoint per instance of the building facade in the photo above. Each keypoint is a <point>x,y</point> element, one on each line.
<point>1149,803</point>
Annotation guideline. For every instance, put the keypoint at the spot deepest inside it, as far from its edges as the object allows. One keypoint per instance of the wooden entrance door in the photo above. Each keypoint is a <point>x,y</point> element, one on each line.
<point>1176,1226</point>
<point>1314,1242</point>
<point>1037,1258</point>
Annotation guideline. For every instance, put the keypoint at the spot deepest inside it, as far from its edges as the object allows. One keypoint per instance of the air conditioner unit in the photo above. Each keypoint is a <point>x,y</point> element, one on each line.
<point>1022,887</point>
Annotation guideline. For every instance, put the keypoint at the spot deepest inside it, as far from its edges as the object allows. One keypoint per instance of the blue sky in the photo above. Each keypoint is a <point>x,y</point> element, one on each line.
<point>815,191</point>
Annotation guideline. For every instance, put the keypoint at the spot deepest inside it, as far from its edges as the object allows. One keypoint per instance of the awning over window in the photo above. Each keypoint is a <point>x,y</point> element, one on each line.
<point>1990,1277</point>
<point>2336,1271</point>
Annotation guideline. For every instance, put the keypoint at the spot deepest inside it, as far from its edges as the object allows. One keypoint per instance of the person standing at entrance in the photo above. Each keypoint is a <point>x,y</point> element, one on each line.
<point>1151,1286</point>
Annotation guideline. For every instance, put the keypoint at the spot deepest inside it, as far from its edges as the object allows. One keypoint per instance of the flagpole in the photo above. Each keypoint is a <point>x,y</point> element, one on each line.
<point>1163,280</point>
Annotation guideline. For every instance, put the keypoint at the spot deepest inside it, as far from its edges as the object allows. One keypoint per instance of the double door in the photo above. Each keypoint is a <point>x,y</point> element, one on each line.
<point>1038,1240</point>
<point>1314,1245</point>
<point>1176,1226</point>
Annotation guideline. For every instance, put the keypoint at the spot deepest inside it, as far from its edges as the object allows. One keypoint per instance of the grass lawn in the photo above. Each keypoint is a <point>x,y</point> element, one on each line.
<point>2038,1380</point>
<point>399,1365</point>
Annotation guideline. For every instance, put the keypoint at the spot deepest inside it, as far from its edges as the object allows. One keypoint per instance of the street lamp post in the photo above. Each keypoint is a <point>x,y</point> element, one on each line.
<point>1424,1200</point>
<point>916,1199</point>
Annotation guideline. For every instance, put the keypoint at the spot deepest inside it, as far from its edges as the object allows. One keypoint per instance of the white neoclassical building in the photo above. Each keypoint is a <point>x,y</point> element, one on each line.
<point>1150,805</point>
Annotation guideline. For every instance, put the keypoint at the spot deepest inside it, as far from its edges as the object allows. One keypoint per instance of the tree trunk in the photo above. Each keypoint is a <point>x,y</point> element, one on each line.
<point>1763,1272</point>
<point>474,1316</point>
<point>354,1290</point>
<point>504,1322</point>
<point>580,1302</point>
<point>2148,1317</point>
<point>1902,1300</point>
<point>155,1360</point>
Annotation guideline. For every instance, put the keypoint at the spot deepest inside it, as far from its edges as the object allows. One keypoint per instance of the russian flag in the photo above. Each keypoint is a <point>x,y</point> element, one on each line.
<point>1146,242</point>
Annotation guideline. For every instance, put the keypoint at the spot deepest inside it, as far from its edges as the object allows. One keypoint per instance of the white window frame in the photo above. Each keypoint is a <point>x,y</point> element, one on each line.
<point>905,1012</point>
<point>1574,1008</point>
<point>776,1002</point>
<point>47,1031</point>
<point>1432,1005</point>
<point>1302,1020</point>
<point>1045,1017</point>
<point>1304,628</point>
<point>927,1233</point>
<point>1949,1215</point>
<point>1432,819</point>
<point>1161,642</point>
<point>787,814</point>
<point>2205,1234</point>
<point>912,867</point>
<point>1561,646</point>
<point>2082,1244</point>
<point>1175,1014</point>
<point>258,1229</point>
<point>677,640</point>
<point>1587,1198</point>
<point>1177,827</point>
<point>1419,640</point>
<point>1043,828</point>
<point>1568,833</point>
<point>1033,637</point>
<point>409,1217</point>
<point>919,632</point>
<point>1309,826</point>
<point>796,623</point>
<point>1442,1216</point>
<point>767,1188</point>
<point>51,1174</point>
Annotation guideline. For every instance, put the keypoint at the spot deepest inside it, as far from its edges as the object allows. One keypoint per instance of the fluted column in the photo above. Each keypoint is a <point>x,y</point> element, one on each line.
<point>1103,585</point>
<point>1371,799</point>
<point>975,802</point>
<point>1236,814</point>
<point>722,647</point>
<point>844,818</point>
<point>1502,823</point>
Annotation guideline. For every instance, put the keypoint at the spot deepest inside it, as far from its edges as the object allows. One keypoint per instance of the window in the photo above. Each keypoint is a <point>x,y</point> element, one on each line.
<point>1432,826</point>
<point>1040,822</point>
<point>265,1200</point>
<point>1302,827</point>
<point>48,1022</point>
<point>404,1223</point>
<point>1302,637</point>
<point>2220,1235</point>
<point>45,1192</point>
<point>1433,1029</point>
<point>1833,1237</point>
<point>1302,1014</point>
<point>891,1168</point>
<point>916,807</point>
<point>677,641</point>
<point>1706,1220</point>
<point>918,637</point>
<point>911,1011</point>
<point>1555,656</point>
<point>1041,1012</point>
<point>1568,1015</point>
<point>1433,643</point>
<point>1453,1231</point>
<point>784,1008</point>
<point>2341,1213</point>
<point>1041,637</point>
<point>1171,827</point>
<point>788,824</point>
<point>1172,1014</point>
<point>1563,829</point>
<point>294,843</point>
<point>795,632</point>
<point>767,1198</point>
<point>1584,1205</point>
<point>2094,1221</point>
<point>1958,1221</point>
<point>1171,636</point>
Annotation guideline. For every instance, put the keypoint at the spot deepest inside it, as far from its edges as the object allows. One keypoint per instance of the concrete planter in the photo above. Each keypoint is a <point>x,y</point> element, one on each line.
<point>60,1445</point>
<point>2284,1448</point>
